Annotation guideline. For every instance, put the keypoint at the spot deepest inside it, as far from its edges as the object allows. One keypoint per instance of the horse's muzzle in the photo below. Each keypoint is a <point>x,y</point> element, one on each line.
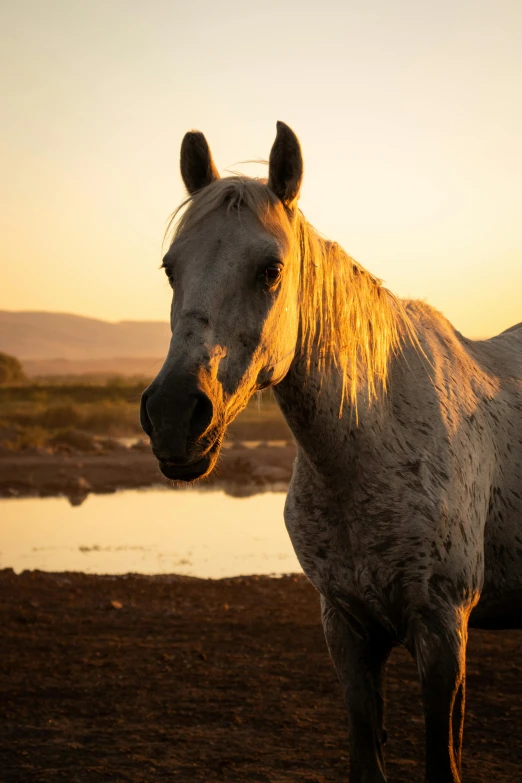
<point>176,415</point>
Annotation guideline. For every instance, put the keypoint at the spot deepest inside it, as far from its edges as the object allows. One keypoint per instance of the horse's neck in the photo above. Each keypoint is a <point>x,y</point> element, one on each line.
<point>311,397</point>
<point>311,406</point>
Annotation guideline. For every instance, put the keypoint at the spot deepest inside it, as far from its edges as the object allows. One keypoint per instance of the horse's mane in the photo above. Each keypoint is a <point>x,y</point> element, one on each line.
<point>348,320</point>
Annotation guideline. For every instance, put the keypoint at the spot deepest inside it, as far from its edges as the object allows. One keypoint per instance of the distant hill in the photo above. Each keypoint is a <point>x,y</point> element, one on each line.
<point>40,335</point>
<point>144,367</point>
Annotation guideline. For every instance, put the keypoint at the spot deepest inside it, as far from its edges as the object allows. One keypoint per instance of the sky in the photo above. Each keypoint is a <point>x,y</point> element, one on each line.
<point>409,115</point>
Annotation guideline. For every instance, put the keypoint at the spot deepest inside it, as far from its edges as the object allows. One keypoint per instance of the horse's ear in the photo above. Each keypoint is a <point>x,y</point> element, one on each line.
<point>197,167</point>
<point>285,171</point>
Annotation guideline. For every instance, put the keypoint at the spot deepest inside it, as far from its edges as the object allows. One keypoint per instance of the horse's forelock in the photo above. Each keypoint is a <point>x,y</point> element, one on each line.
<point>235,192</point>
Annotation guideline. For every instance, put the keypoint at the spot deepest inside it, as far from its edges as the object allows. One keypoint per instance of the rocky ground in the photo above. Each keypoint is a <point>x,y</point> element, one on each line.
<point>168,678</point>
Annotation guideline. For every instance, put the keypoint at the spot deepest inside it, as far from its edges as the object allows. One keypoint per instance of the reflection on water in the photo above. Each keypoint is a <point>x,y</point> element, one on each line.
<point>198,533</point>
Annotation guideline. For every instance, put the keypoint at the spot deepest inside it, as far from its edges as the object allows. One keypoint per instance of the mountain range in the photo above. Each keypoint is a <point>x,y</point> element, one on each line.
<point>37,337</point>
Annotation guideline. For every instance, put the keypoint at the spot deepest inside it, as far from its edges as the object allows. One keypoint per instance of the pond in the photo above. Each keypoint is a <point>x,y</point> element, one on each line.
<point>204,533</point>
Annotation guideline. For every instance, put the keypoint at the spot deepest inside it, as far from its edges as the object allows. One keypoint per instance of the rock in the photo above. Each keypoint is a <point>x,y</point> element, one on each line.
<point>79,485</point>
<point>77,490</point>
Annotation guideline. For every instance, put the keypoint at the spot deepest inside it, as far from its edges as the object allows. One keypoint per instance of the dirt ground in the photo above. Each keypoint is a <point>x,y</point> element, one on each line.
<point>240,471</point>
<point>169,678</point>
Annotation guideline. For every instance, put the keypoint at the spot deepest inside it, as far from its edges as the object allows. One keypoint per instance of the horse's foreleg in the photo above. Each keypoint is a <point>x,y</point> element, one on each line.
<point>359,661</point>
<point>439,648</point>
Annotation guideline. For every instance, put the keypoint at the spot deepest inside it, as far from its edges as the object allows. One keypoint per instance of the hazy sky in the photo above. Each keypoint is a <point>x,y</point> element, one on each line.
<point>409,114</point>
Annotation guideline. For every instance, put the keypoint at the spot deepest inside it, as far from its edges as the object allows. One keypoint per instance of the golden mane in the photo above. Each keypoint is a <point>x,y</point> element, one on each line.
<point>348,320</point>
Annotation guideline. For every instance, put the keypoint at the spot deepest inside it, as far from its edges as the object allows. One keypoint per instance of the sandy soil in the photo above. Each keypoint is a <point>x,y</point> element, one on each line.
<point>240,471</point>
<point>168,678</point>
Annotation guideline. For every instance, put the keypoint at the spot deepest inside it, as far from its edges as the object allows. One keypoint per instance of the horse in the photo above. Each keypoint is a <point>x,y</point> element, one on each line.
<point>405,504</point>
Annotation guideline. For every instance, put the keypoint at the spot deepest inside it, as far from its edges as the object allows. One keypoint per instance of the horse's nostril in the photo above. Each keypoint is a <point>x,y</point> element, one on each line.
<point>201,415</point>
<point>175,418</point>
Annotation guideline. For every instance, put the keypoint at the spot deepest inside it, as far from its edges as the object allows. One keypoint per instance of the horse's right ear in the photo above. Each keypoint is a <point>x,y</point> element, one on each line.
<point>197,167</point>
<point>285,171</point>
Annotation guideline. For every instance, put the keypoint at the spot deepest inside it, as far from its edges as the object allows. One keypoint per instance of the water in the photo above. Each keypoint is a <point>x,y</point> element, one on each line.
<point>154,531</point>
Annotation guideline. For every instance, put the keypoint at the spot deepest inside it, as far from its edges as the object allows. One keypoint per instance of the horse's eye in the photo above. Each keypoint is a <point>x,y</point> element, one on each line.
<point>168,272</point>
<point>271,274</point>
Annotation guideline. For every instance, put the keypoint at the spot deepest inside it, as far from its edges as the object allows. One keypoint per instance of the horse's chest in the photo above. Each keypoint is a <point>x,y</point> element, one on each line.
<point>313,538</point>
<point>341,567</point>
<point>329,550</point>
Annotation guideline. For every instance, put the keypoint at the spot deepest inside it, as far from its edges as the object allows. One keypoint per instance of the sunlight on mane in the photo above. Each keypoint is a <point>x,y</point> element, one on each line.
<point>348,320</point>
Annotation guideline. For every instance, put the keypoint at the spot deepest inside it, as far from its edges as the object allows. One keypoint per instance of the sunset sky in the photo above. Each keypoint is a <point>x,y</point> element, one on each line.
<point>409,114</point>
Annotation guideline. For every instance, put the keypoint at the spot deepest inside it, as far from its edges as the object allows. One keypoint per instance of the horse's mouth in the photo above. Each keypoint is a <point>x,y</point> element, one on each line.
<point>190,471</point>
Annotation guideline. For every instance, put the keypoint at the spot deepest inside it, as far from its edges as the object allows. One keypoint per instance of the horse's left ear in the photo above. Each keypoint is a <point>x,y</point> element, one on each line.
<point>285,171</point>
<point>197,167</point>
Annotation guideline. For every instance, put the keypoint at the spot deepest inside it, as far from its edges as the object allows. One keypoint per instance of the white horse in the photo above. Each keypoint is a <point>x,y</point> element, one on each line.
<point>405,506</point>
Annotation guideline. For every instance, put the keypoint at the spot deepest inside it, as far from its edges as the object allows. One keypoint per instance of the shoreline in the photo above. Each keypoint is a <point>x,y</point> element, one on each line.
<point>240,471</point>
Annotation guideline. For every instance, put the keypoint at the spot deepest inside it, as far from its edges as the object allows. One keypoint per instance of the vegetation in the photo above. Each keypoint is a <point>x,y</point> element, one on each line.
<point>87,416</point>
<point>10,370</point>
<point>68,416</point>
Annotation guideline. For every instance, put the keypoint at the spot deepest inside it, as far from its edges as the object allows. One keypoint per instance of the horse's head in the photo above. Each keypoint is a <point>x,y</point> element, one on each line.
<point>233,267</point>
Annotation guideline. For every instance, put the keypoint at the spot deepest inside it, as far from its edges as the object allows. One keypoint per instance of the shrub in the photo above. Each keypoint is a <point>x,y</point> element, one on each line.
<point>112,418</point>
<point>16,438</point>
<point>10,370</point>
<point>60,416</point>
<point>71,439</point>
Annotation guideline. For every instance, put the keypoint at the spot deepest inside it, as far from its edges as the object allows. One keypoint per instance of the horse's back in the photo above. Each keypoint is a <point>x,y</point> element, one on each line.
<point>502,354</point>
<point>514,328</point>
